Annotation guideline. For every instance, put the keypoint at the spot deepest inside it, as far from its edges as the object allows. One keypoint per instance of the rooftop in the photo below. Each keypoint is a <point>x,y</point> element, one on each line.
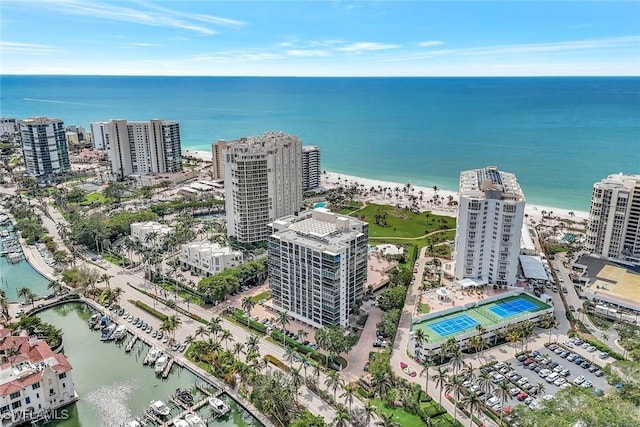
<point>490,183</point>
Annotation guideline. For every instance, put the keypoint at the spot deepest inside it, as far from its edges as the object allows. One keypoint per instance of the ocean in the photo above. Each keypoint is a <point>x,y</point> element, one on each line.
<point>558,135</point>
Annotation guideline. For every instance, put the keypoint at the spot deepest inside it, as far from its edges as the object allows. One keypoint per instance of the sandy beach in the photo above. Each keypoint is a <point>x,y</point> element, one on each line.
<point>435,200</point>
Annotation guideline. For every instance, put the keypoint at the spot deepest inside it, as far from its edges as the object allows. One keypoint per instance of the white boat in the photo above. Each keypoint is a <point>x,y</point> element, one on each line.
<point>107,332</point>
<point>153,355</point>
<point>134,423</point>
<point>218,406</point>
<point>161,363</point>
<point>93,320</point>
<point>180,423</point>
<point>194,420</point>
<point>119,333</point>
<point>159,408</point>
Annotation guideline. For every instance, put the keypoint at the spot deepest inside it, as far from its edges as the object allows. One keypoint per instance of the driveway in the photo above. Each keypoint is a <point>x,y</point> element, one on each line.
<point>359,355</point>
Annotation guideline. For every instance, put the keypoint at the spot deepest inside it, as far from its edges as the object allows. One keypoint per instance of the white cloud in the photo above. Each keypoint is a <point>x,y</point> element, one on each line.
<point>430,43</point>
<point>27,48</point>
<point>367,46</point>
<point>153,15</point>
<point>307,53</point>
<point>528,48</point>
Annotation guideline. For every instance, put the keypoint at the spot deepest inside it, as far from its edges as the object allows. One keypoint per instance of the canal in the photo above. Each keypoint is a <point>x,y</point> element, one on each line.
<point>114,386</point>
<point>20,275</point>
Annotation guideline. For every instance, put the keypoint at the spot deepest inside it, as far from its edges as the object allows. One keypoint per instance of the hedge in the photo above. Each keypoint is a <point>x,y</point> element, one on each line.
<point>602,347</point>
<point>277,362</point>
<point>152,311</point>
<point>240,317</point>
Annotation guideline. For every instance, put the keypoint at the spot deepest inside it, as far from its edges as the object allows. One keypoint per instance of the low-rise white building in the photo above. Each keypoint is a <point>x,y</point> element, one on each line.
<point>151,233</point>
<point>206,258</point>
<point>34,381</point>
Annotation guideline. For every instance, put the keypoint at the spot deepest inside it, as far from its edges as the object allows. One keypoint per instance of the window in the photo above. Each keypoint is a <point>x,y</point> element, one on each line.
<point>62,375</point>
<point>27,400</point>
<point>16,404</point>
<point>14,395</point>
<point>35,386</point>
<point>51,392</point>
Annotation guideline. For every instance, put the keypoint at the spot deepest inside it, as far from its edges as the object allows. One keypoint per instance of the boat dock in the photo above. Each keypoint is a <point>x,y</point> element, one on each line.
<point>167,368</point>
<point>131,343</point>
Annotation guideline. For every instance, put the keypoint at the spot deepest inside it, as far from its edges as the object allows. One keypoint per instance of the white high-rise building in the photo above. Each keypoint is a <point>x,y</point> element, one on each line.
<point>490,216</point>
<point>217,163</point>
<point>317,265</point>
<point>139,147</point>
<point>44,147</point>
<point>310,167</point>
<point>262,182</point>
<point>614,218</point>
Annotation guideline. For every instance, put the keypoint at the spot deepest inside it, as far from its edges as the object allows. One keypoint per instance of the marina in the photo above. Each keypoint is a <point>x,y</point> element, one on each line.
<point>15,271</point>
<point>115,389</point>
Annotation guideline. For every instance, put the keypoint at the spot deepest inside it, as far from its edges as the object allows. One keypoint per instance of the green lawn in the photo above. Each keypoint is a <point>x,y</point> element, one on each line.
<point>401,416</point>
<point>402,222</point>
<point>351,206</point>
<point>423,308</point>
<point>14,161</point>
<point>94,197</point>
<point>263,295</point>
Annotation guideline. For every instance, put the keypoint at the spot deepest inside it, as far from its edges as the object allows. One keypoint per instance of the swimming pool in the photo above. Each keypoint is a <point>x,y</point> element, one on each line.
<point>320,205</point>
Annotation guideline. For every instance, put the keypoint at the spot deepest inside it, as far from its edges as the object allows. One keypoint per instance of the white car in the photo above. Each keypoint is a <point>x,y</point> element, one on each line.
<point>544,373</point>
<point>586,384</point>
<point>522,381</point>
<point>579,380</point>
<point>565,385</point>
<point>514,391</point>
<point>493,401</point>
<point>560,381</point>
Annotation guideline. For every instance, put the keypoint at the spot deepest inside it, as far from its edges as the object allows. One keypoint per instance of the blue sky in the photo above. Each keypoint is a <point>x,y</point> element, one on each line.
<point>320,38</point>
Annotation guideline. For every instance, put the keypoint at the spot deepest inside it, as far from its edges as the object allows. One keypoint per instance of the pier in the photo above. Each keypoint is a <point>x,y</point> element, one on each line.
<point>131,343</point>
<point>167,369</point>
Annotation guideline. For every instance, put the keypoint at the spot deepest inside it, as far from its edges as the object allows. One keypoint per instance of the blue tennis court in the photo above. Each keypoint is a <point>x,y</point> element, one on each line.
<point>512,307</point>
<point>453,325</point>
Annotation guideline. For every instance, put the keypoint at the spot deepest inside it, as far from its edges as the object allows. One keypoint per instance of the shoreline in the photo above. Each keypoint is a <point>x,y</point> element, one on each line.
<point>334,179</point>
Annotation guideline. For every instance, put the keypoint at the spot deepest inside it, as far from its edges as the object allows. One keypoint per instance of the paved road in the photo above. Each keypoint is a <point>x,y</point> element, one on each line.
<point>124,278</point>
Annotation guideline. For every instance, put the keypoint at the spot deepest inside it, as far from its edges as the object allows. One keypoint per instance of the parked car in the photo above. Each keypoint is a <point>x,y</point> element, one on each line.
<point>579,380</point>
<point>603,355</point>
<point>522,396</point>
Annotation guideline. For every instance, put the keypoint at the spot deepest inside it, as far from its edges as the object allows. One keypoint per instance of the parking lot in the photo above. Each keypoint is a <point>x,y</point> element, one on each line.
<point>554,367</point>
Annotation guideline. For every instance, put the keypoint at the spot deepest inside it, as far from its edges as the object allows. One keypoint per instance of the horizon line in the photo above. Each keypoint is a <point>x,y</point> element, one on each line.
<point>325,76</point>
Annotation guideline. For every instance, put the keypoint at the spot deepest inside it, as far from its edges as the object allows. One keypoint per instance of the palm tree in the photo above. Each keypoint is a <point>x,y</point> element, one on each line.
<point>387,420</point>
<point>349,392</point>
<point>238,349</point>
<point>473,403</point>
<point>215,325</point>
<point>4,306</point>
<point>332,381</point>
<point>226,336</point>
<point>55,286</point>
<point>247,305</point>
<point>484,382</point>
<point>283,320</point>
<point>367,411</point>
<point>296,380</point>
<point>201,331</point>
<point>252,345</point>
<point>440,378</point>
<point>26,294</point>
<point>527,328</point>
<point>426,364</point>
<point>419,337</point>
<point>456,357</point>
<point>540,388</point>
<point>468,372</point>
<point>341,418</point>
<point>503,394</point>
<point>105,278</point>
<point>302,334</point>
<point>548,322</point>
<point>454,385</point>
